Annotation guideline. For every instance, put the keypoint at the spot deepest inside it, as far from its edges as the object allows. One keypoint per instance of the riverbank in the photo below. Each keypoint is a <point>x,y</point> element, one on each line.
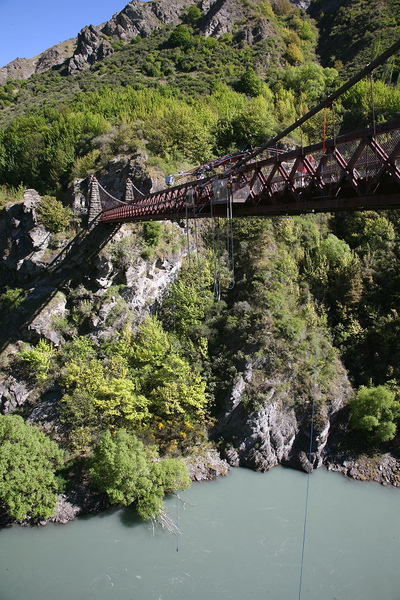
<point>383,468</point>
<point>205,464</point>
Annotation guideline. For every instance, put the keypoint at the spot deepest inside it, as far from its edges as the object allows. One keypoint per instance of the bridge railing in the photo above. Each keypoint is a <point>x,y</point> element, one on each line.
<point>352,165</point>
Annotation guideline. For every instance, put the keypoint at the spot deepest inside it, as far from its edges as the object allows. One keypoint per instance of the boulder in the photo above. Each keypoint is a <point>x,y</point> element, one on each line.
<point>13,394</point>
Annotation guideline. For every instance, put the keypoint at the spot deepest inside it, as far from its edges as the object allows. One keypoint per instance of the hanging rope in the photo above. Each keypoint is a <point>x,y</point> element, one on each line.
<point>371,82</point>
<point>324,128</point>
<point>217,285</point>
<point>196,239</point>
<point>176,384</point>
<point>309,466</point>
<point>333,123</point>
<point>229,220</point>
<point>187,235</point>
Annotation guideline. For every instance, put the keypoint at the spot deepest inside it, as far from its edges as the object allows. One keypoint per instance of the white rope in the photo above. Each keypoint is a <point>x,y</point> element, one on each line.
<point>109,195</point>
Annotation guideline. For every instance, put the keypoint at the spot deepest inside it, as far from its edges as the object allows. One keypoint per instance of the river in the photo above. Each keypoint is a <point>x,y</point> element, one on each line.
<point>241,539</point>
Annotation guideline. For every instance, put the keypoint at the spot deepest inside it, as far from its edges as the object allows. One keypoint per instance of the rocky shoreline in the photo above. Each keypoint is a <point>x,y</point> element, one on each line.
<point>205,464</point>
<point>383,469</point>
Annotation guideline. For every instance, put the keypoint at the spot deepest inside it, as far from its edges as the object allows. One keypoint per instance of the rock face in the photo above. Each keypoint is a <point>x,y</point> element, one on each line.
<point>23,68</point>
<point>91,47</point>
<point>384,469</point>
<point>13,394</point>
<point>141,18</point>
<point>23,241</point>
<point>277,433</point>
<point>20,68</point>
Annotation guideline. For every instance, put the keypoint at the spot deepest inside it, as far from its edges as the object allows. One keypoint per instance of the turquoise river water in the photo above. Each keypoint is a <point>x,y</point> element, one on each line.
<point>241,539</point>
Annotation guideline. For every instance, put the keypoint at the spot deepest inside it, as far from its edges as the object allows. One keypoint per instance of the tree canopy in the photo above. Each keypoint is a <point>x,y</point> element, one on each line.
<point>28,461</point>
<point>126,471</point>
<point>374,411</point>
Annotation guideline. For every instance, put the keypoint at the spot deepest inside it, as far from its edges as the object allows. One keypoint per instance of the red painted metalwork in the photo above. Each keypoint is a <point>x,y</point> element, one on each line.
<point>353,172</point>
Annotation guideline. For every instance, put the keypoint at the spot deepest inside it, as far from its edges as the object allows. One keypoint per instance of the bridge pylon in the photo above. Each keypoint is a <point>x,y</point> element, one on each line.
<point>95,207</point>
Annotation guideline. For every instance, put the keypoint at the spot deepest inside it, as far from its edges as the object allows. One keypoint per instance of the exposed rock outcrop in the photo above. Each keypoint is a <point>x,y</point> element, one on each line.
<point>20,68</point>
<point>23,241</point>
<point>141,18</point>
<point>384,469</point>
<point>91,47</point>
<point>204,464</point>
<point>23,68</point>
<point>13,394</point>
<point>276,432</point>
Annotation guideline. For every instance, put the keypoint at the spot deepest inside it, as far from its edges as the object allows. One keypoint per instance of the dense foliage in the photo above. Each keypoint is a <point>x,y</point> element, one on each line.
<point>28,461</point>
<point>353,32</point>
<point>123,468</point>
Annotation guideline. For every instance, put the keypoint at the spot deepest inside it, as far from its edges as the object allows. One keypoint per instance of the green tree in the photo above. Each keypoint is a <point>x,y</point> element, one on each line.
<point>250,83</point>
<point>95,398</point>
<point>167,379</point>
<point>126,471</point>
<point>180,37</point>
<point>53,215</point>
<point>192,15</point>
<point>28,460</point>
<point>374,411</point>
<point>40,358</point>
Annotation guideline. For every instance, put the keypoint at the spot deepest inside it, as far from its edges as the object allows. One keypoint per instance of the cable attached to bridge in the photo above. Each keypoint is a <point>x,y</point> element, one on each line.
<point>310,467</point>
<point>229,236</point>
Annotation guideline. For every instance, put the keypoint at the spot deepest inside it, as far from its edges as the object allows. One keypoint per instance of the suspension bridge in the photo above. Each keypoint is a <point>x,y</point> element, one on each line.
<point>356,171</point>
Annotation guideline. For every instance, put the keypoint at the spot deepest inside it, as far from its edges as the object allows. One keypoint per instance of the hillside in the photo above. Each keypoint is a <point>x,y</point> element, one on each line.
<point>161,348</point>
<point>354,32</point>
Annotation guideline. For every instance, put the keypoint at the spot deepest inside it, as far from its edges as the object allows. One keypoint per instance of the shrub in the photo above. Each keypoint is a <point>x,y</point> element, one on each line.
<point>53,215</point>
<point>124,469</point>
<point>11,299</point>
<point>28,460</point>
<point>374,410</point>
<point>152,232</point>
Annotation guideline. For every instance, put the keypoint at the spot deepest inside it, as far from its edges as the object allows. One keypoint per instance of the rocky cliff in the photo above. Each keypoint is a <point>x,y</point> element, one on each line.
<point>140,19</point>
<point>23,68</point>
<point>278,430</point>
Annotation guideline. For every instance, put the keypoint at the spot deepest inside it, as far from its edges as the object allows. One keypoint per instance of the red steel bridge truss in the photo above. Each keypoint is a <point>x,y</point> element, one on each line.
<point>356,171</point>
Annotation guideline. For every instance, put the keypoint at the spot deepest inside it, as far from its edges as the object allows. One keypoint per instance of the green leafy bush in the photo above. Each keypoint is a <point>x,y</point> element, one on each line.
<point>39,358</point>
<point>152,232</point>
<point>11,299</point>
<point>28,461</point>
<point>53,215</point>
<point>374,412</point>
<point>123,468</point>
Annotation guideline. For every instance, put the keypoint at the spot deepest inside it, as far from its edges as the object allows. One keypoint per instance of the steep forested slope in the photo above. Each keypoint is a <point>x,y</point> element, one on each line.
<point>354,32</point>
<point>130,348</point>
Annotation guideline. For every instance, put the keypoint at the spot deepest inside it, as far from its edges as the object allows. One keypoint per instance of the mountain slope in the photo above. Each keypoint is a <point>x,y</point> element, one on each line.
<point>354,32</point>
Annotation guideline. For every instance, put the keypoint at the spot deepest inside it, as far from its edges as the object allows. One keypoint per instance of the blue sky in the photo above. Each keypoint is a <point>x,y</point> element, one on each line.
<point>29,27</point>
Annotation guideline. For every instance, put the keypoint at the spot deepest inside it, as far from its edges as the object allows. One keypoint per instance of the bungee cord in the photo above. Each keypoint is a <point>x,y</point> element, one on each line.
<point>310,468</point>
